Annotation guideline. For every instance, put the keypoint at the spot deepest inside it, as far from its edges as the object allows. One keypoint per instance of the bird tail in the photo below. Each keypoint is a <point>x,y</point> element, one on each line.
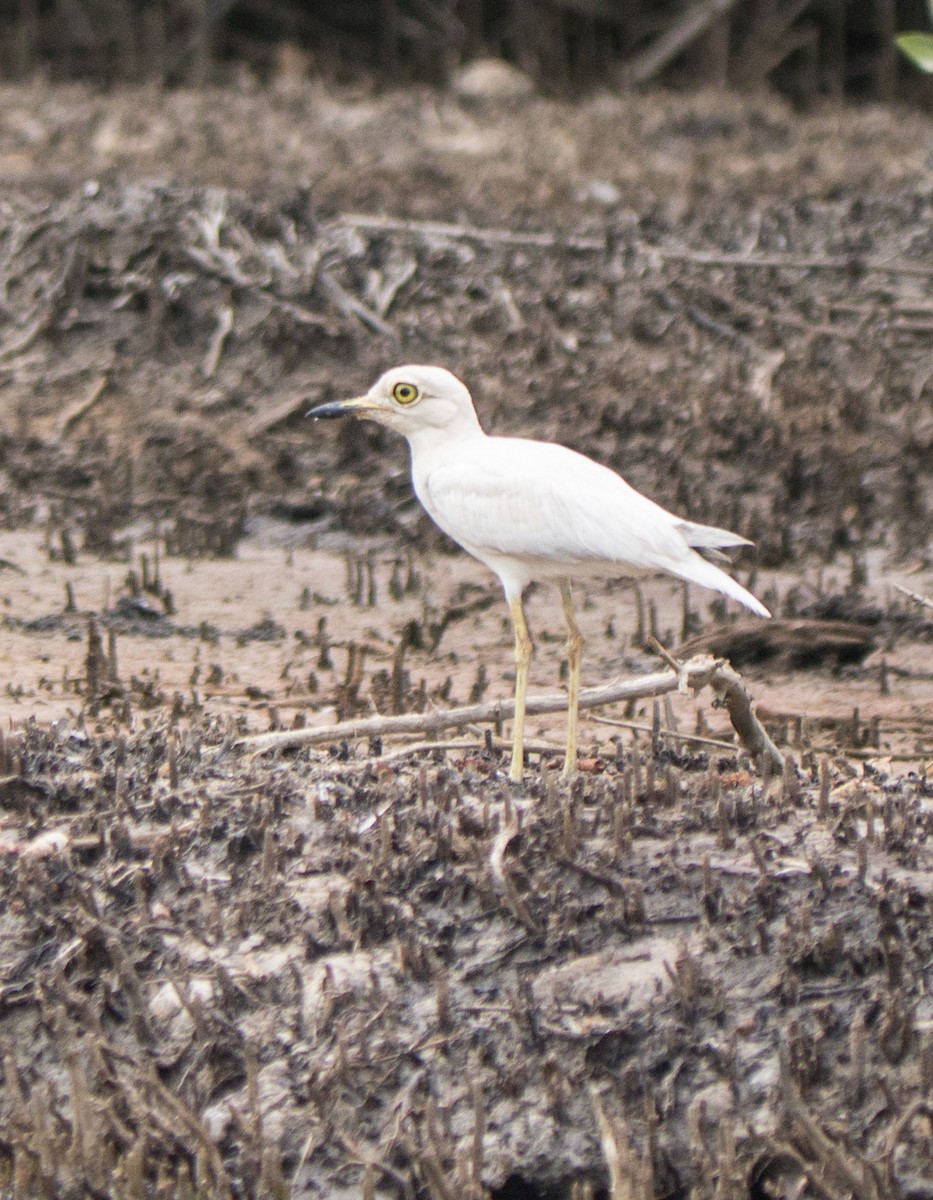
<point>708,537</point>
<point>698,570</point>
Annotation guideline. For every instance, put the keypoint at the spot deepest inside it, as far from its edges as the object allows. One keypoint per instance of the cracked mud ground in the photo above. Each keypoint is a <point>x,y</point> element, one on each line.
<point>355,971</point>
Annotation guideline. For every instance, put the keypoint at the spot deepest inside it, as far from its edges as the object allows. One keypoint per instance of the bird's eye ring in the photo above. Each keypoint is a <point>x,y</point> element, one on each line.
<point>405,393</point>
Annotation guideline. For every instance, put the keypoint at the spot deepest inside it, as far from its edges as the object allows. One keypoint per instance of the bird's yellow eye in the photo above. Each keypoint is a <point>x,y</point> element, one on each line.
<point>405,393</point>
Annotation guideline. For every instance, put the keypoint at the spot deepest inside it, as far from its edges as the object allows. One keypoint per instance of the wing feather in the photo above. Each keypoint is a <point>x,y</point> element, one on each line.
<point>537,502</point>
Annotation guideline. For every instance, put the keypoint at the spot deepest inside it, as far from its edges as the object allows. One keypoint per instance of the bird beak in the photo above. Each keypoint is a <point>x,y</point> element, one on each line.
<point>341,408</point>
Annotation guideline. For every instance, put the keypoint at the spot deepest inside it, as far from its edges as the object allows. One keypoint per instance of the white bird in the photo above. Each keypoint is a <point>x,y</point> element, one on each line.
<point>531,511</point>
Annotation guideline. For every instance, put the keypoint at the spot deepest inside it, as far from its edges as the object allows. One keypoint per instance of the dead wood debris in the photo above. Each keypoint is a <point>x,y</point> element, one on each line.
<point>922,601</point>
<point>696,673</point>
<point>204,988</point>
<point>676,37</point>
<point>788,643</point>
<point>243,291</point>
<point>71,416</point>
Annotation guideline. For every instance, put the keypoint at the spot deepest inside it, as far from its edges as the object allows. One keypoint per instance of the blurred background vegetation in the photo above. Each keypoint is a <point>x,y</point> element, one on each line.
<point>805,48</point>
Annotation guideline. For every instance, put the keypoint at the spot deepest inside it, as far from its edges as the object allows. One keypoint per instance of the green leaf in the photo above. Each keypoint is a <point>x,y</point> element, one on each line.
<point>919,49</point>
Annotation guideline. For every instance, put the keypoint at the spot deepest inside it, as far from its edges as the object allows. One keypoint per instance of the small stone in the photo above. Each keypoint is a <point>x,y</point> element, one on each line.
<point>491,79</point>
<point>600,191</point>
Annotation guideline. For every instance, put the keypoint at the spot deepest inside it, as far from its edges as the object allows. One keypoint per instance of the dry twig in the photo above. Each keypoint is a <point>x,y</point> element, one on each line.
<point>861,1184</point>
<point>503,881</point>
<point>752,734</point>
<point>53,300</point>
<point>471,233</point>
<point>71,416</point>
<point>648,63</point>
<point>923,601</point>
<point>350,305</point>
<point>218,338</point>
<point>694,739</point>
<point>698,672</point>
<point>791,262</point>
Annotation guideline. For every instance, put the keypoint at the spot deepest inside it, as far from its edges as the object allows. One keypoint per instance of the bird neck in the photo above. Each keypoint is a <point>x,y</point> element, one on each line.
<point>435,442</point>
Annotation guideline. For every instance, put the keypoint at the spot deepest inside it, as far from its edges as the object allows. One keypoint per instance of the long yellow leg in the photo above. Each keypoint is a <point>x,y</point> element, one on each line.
<point>522,657</point>
<point>574,647</point>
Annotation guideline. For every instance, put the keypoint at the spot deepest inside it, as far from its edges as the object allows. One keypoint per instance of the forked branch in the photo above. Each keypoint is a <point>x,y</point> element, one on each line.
<point>699,672</point>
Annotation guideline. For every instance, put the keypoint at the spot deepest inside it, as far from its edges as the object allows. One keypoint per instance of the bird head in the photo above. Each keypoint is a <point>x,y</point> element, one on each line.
<point>409,400</point>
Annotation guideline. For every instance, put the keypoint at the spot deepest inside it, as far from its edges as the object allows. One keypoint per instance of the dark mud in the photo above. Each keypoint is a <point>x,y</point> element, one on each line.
<point>327,974</point>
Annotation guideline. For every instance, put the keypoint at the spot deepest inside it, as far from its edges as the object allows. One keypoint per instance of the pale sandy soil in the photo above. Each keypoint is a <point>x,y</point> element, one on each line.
<point>262,680</point>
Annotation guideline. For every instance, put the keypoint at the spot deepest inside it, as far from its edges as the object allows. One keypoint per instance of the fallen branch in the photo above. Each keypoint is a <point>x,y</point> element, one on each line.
<point>503,881</point>
<point>866,755</point>
<point>792,262</point>
<point>693,738</point>
<point>596,245</point>
<point>629,1171</point>
<point>645,65</point>
<point>71,416</point>
<point>53,301</point>
<point>752,734</point>
<point>351,306</point>
<point>229,272</point>
<point>919,1108</point>
<point>215,346</point>
<point>411,749</point>
<point>833,1162</point>
<point>392,284</point>
<point>698,672</point>
<point>923,601</point>
<point>436,721</point>
<point>277,414</point>
<point>470,233</point>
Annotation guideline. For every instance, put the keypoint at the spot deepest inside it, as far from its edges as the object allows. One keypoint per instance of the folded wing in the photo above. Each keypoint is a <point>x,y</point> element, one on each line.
<point>539,502</point>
